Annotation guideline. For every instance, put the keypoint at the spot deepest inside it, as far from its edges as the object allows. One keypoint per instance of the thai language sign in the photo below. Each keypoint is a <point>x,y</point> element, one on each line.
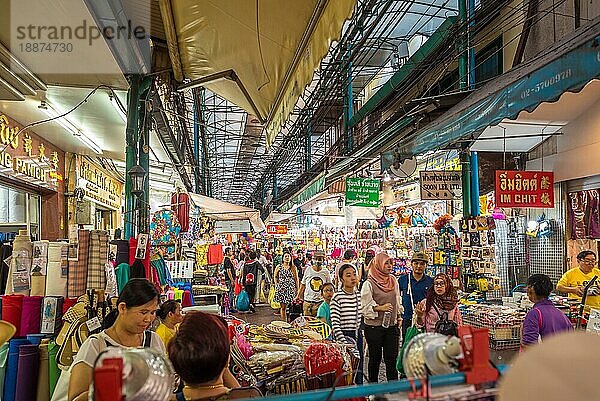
<point>440,185</point>
<point>522,189</point>
<point>362,192</point>
<point>277,229</point>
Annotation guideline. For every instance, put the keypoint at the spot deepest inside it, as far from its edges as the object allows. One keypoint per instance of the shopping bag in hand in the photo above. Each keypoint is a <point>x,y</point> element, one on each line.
<point>243,301</point>
<point>271,299</point>
<point>412,332</point>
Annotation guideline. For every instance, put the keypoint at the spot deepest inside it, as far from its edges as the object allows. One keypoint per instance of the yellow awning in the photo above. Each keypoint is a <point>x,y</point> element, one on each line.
<point>258,54</point>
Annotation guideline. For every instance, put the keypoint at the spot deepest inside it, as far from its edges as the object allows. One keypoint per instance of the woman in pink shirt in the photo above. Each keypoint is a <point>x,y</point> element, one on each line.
<point>441,303</point>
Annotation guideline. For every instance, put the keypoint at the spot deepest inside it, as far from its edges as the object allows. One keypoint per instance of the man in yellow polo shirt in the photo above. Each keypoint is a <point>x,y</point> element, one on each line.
<point>574,280</point>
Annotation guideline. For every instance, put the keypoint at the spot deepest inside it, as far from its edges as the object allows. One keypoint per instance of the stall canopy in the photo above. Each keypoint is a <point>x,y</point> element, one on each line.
<point>259,55</point>
<point>220,210</point>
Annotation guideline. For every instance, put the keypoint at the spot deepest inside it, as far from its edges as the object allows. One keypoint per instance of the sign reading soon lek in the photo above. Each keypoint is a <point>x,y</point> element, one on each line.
<point>362,192</point>
<point>440,185</point>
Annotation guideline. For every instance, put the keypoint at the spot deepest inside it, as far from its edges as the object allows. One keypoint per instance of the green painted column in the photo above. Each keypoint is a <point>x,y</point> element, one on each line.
<point>465,162</point>
<point>144,123</point>
<point>131,153</point>
<point>463,61</point>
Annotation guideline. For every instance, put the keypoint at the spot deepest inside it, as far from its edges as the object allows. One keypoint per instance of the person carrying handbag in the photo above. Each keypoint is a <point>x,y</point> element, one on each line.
<point>438,312</point>
<point>410,331</point>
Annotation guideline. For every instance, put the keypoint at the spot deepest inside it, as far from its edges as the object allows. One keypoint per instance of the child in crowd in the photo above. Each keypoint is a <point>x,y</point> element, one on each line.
<point>324,311</point>
<point>345,314</point>
<point>170,316</point>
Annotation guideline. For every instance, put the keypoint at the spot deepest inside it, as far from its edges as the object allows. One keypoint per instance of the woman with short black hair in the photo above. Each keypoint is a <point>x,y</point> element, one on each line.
<point>544,319</point>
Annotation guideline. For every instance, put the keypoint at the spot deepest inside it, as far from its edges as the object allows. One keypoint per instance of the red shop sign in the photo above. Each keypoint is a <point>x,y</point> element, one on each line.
<point>524,189</point>
<point>277,229</point>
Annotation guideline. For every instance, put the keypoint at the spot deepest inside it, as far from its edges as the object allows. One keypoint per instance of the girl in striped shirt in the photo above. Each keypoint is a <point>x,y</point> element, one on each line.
<point>345,314</point>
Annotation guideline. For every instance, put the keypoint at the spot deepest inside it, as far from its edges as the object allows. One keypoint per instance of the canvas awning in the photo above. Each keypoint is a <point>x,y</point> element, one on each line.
<point>259,55</point>
<point>220,210</point>
<point>567,66</point>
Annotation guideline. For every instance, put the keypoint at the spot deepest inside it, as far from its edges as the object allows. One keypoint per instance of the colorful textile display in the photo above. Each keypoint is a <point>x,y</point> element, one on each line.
<point>10,381</point>
<point>43,384</point>
<point>31,314</point>
<point>164,227</point>
<point>18,279</point>
<point>28,370</point>
<point>56,281</point>
<point>122,255</point>
<point>53,369</point>
<point>77,277</point>
<point>3,362</point>
<point>180,204</point>
<point>97,258</point>
<point>215,254</point>
<point>12,308</point>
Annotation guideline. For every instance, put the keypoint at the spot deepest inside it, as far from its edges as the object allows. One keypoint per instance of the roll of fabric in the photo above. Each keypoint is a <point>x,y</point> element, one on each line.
<point>56,283</point>
<point>53,369</point>
<point>122,255</point>
<point>22,249</point>
<point>97,258</point>
<point>27,372</point>
<point>77,277</point>
<point>187,299</point>
<point>10,381</point>
<point>12,309</point>
<point>51,318</point>
<point>43,385</point>
<point>36,339</point>
<point>3,362</point>
<point>68,302</point>
<point>30,315</point>
<point>38,285</point>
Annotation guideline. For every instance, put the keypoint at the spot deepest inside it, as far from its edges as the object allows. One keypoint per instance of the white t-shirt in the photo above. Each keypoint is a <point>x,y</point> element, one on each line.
<point>313,281</point>
<point>89,351</point>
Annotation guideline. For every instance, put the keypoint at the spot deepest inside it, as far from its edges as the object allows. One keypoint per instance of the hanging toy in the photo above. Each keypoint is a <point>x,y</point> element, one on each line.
<point>384,221</point>
<point>441,222</point>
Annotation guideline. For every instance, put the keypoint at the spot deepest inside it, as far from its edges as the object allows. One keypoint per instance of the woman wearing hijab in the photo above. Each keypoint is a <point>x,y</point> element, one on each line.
<point>441,303</point>
<point>382,310</point>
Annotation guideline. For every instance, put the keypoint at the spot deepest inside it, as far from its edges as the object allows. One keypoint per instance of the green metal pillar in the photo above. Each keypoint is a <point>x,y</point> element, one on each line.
<point>144,115</point>
<point>131,139</point>
<point>463,61</point>
<point>465,163</point>
<point>348,107</point>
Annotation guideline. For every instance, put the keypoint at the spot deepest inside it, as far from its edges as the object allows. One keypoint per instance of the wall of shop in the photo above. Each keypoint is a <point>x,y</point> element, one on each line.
<point>29,146</point>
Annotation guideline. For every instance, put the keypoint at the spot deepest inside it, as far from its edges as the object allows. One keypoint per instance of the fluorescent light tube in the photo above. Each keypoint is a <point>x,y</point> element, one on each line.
<point>67,125</point>
<point>115,105</point>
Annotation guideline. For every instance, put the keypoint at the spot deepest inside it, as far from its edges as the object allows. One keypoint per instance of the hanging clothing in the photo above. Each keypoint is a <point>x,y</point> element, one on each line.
<point>180,204</point>
<point>215,254</point>
<point>122,272</point>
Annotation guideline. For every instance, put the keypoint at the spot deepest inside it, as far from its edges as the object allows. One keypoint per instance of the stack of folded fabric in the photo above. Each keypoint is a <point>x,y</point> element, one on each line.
<point>56,281</point>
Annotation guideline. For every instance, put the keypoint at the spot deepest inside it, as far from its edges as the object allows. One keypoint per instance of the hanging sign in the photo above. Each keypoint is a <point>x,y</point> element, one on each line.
<point>277,229</point>
<point>98,185</point>
<point>232,226</point>
<point>362,192</point>
<point>440,185</point>
<point>521,189</point>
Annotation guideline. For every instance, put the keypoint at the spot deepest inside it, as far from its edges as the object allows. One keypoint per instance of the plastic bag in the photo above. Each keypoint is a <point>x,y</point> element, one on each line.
<point>411,332</point>
<point>271,299</point>
<point>321,358</point>
<point>243,301</point>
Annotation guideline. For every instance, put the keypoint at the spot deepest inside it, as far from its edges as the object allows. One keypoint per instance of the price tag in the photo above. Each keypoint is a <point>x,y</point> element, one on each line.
<point>93,324</point>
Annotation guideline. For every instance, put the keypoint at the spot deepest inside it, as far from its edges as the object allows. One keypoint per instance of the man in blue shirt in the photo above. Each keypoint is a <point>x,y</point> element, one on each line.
<point>419,283</point>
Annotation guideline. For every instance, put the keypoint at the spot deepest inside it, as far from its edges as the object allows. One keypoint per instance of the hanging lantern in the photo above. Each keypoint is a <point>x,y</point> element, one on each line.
<point>340,203</point>
<point>137,175</point>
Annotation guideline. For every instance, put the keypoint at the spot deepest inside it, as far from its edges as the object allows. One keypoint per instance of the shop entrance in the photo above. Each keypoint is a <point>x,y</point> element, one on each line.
<point>19,210</point>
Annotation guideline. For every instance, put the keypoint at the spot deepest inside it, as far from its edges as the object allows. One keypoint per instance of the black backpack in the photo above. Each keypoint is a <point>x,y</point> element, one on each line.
<point>445,326</point>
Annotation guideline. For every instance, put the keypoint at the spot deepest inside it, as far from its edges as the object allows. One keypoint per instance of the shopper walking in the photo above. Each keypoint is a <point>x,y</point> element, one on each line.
<point>369,255</point>
<point>310,288</point>
<point>438,312</point>
<point>414,287</point>
<point>125,327</point>
<point>345,314</point>
<point>250,277</point>
<point>574,280</point>
<point>348,259</point>
<point>324,311</point>
<point>300,263</point>
<point>286,284</point>
<point>170,316</point>
<point>544,319</point>
<point>382,310</point>
<point>229,273</point>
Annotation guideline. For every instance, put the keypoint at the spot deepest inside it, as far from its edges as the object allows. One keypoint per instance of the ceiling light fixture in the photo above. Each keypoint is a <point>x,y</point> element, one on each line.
<point>115,104</point>
<point>68,125</point>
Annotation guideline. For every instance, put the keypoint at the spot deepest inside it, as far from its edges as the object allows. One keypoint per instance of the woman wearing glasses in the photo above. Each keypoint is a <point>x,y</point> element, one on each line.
<point>574,281</point>
<point>439,307</point>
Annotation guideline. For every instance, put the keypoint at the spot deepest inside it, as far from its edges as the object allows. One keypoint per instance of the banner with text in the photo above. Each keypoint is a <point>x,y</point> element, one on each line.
<point>522,189</point>
<point>362,192</point>
<point>440,185</point>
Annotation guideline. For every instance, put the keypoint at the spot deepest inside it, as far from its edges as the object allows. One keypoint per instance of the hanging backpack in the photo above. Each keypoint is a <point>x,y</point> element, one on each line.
<point>243,302</point>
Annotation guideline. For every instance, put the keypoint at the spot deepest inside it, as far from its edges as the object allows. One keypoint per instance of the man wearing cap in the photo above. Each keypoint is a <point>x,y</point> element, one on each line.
<point>310,287</point>
<point>419,285</point>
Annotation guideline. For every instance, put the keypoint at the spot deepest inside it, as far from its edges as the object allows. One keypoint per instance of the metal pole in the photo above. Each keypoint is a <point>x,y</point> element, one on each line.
<point>349,108</point>
<point>463,59</point>
<point>309,142</point>
<point>466,182</point>
<point>196,150</point>
<point>471,44</point>
<point>475,209</point>
<point>130,152</point>
<point>144,156</point>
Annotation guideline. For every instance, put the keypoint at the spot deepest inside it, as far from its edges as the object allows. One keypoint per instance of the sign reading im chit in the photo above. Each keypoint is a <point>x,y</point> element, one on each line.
<point>25,157</point>
<point>522,189</point>
<point>362,192</point>
<point>98,185</point>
